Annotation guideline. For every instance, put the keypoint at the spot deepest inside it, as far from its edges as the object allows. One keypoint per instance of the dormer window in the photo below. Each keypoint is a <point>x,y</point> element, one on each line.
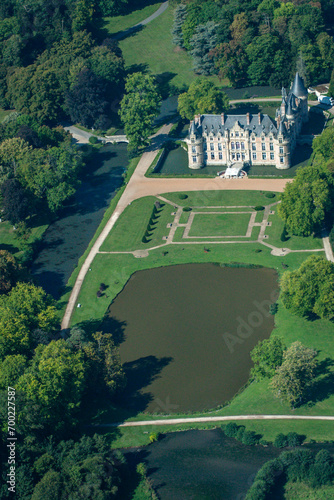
<point>192,140</point>
<point>237,134</point>
<point>211,138</point>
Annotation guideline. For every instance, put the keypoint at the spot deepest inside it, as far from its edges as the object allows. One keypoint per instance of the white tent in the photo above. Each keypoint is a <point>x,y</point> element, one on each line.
<point>233,170</point>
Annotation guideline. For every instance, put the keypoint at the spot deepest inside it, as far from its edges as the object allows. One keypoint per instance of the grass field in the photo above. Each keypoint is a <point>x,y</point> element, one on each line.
<point>300,491</point>
<point>130,228</point>
<point>13,244</point>
<point>151,49</point>
<point>294,242</point>
<point>219,224</point>
<point>116,24</point>
<point>221,198</point>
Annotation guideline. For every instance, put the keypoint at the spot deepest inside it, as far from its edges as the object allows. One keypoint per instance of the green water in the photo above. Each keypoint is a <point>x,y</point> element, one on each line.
<point>188,333</point>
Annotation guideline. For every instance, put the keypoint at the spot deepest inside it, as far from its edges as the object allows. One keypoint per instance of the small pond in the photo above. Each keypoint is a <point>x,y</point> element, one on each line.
<point>66,239</point>
<point>201,465</point>
<point>188,332</point>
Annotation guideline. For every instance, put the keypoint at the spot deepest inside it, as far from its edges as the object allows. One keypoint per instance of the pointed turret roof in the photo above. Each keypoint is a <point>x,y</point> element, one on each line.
<point>193,129</point>
<point>298,87</point>
<point>289,110</point>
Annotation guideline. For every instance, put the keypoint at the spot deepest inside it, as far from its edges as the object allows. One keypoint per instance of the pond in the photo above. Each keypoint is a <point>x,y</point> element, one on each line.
<point>201,465</point>
<point>66,239</point>
<point>188,332</point>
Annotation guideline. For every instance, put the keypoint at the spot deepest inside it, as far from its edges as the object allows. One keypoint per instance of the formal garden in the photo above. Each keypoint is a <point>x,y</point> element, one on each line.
<point>121,256</point>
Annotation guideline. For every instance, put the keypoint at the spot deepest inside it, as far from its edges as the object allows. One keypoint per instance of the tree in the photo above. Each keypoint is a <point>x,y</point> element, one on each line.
<point>202,97</point>
<point>11,369</point>
<point>202,44</point>
<point>331,88</point>
<point>86,100</point>
<point>23,310</point>
<point>180,14</point>
<point>310,289</point>
<point>55,382</point>
<point>307,200</point>
<point>267,356</point>
<point>9,271</point>
<point>12,152</point>
<point>323,145</point>
<point>139,107</point>
<point>261,53</point>
<point>15,202</point>
<point>295,375</point>
<point>105,367</point>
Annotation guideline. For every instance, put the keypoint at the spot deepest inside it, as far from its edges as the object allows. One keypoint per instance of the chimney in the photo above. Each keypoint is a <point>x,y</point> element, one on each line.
<point>223,118</point>
<point>247,118</point>
<point>259,115</point>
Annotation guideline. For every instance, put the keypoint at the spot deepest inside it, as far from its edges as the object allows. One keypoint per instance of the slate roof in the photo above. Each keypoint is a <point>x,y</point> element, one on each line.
<point>298,87</point>
<point>213,124</point>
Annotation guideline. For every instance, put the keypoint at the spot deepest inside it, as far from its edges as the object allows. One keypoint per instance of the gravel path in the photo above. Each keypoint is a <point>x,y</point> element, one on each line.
<point>177,421</point>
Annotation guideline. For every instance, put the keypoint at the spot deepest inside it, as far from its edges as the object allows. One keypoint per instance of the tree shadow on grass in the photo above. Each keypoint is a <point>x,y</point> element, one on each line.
<point>323,385</point>
<point>8,248</point>
<point>106,325</point>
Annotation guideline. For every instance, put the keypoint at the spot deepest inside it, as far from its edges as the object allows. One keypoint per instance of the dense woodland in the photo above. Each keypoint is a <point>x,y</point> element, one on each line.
<point>254,42</point>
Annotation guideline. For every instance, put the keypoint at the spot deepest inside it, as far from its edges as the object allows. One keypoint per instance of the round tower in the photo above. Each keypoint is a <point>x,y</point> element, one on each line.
<point>195,145</point>
<point>299,90</point>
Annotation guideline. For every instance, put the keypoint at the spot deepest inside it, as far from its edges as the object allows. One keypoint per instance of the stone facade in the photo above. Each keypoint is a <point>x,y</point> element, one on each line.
<point>253,139</point>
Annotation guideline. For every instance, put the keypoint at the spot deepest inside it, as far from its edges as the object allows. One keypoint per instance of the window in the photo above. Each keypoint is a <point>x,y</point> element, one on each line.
<point>272,156</point>
<point>280,140</point>
<point>233,156</point>
<point>242,145</point>
<point>223,146</point>
<point>193,149</point>
<point>192,141</point>
<point>253,138</point>
<point>243,157</point>
<point>242,134</point>
<point>271,137</point>
<point>253,146</point>
<point>237,134</point>
<point>212,156</point>
<point>211,138</point>
<point>254,156</point>
<point>205,146</point>
<point>263,138</point>
<point>194,159</point>
<point>212,147</point>
<point>220,156</point>
<point>231,134</point>
<point>263,146</point>
<point>238,156</point>
<point>281,150</point>
<point>232,145</point>
<point>264,156</point>
<point>237,145</point>
<point>219,147</point>
<point>219,138</point>
<point>281,159</point>
<point>271,147</point>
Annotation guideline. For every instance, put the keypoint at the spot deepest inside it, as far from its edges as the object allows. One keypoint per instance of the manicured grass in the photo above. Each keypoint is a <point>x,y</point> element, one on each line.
<point>131,226</point>
<point>219,225</point>
<point>122,23</point>
<point>301,491</point>
<point>294,242</point>
<point>221,198</point>
<point>152,48</point>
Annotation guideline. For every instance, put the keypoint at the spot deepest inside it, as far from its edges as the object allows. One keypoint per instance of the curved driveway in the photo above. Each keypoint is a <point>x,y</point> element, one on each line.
<point>140,186</point>
<point>157,13</point>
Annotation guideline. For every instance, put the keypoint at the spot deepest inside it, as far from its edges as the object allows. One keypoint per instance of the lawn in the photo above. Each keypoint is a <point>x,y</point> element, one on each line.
<point>293,242</point>
<point>12,243</point>
<point>300,491</point>
<point>219,224</point>
<point>131,226</point>
<point>221,198</point>
<point>116,24</point>
<point>4,113</point>
<point>151,49</point>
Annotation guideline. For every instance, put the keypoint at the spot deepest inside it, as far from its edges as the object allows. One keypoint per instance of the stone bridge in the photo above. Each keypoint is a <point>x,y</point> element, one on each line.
<point>114,138</point>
